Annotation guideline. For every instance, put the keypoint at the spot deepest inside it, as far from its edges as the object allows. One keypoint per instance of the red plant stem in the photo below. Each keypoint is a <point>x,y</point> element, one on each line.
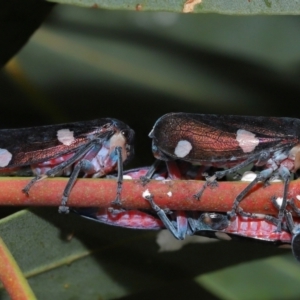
<point>12,277</point>
<point>172,194</point>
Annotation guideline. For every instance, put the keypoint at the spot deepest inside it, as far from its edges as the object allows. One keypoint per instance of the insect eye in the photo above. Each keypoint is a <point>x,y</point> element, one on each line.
<point>125,133</point>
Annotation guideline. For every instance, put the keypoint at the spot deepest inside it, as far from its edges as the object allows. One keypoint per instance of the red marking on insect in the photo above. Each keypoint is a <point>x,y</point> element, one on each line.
<point>183,223</point>
<point>43,167</point>
<point>257,229</point>
<point>133,219</point>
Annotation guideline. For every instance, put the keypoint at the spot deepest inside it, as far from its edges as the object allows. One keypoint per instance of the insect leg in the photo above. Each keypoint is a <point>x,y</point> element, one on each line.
<point>61,166</point>
<point>145,179</point>
<point>294,207</point>
<point>183,222</point>
<point>273,220</point>
<point>284,173</point>
<point>211,181</point>
<point>178,232</point>
<point>85,166</point>
<point>265,174</point>
<point>259,157</point>
<point>194,225</point>
<point>117,201</point>
<point>73,159</point>
<point>32,182</point>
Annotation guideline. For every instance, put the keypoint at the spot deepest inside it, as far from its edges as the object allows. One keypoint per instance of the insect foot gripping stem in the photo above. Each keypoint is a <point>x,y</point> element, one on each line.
<point>65,149</point>
<point>285,175</point>
<point>117,201</point>
<point>63,208</point>
<point>31,183</point>
<point>178,228</point>
<point>132,219</point>
<point>146,178</point>
<point>210,181</point>
<point>260,177</point>
<point>292,205</point>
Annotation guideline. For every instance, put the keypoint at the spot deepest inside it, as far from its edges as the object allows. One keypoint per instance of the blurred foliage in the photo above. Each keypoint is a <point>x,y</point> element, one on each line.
<point>248,7</point>
<point>68,257</point>
<point>135,66</point>
<point>18,19</point>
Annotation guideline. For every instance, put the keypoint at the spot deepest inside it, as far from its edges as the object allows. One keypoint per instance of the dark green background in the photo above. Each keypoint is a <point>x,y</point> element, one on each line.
<point>84,64</point>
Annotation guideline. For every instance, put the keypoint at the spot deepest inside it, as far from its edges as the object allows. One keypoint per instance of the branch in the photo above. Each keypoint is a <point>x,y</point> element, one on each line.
<point>195,6</point>
<point>11,276</point>
<point>172,194</point>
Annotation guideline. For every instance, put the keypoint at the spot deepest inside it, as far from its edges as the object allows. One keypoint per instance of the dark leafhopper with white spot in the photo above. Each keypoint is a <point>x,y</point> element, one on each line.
<point>91,149</point>
<point>231,142</point>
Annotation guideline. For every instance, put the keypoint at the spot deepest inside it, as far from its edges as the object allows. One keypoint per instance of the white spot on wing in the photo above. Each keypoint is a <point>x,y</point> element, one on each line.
<point>5,157</point>
<point>298,197</point>
<point>247,140</point>
<point>146,194</point>
<point>169,194</point>
<point>65,136</point>
<point>183,148</point>
<point>127,177</point>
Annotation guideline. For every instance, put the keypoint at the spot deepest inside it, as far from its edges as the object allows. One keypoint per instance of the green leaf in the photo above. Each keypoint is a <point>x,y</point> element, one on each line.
<point>136,66</point>
<point>261,273</point>
<point>66,256</point>
<point>250,7</point>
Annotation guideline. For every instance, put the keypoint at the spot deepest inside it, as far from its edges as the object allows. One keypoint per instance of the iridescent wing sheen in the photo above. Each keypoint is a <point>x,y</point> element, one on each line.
<point>217,138</point>
<point>37,144</point>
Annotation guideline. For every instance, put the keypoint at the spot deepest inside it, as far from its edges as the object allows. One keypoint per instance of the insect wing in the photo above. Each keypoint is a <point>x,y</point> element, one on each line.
<point>200,138</point>
<point>26,146</point>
